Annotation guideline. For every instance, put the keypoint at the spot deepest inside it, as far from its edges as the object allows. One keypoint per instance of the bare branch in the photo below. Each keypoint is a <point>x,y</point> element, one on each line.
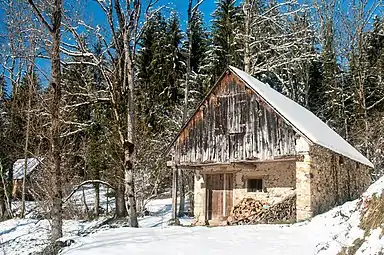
<point>84,183</point>
<point>40,16</point>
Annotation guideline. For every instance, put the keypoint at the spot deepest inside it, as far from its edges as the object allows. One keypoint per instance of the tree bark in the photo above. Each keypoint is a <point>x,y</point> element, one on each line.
<point>129,35</point>
<point>55,90</point>
<point>121,210</point>
<point>57,221</point>
<point>97,198</point>
<point>129,150</point>
<point>5,201</point>
<point>30,91</point>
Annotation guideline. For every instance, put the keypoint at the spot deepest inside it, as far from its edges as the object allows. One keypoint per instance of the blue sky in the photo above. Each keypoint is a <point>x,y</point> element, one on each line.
<point>180,6</point>
<point>93,13</point>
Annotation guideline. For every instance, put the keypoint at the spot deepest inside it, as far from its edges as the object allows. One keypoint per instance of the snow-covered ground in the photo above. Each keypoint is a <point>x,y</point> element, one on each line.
<point>324,234</point>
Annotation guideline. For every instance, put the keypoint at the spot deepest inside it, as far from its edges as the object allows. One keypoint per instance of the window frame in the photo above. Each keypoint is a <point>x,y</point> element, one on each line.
<point>255,190</point>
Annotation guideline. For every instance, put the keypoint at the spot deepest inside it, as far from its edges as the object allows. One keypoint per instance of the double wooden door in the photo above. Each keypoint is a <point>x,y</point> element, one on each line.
<point>219,195</point>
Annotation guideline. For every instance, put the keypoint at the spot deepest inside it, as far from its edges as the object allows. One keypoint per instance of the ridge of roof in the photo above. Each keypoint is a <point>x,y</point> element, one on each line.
<point>302,119</point>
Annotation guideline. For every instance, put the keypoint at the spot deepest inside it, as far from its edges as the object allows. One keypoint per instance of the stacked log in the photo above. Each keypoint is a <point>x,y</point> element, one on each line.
<point>251,211</point>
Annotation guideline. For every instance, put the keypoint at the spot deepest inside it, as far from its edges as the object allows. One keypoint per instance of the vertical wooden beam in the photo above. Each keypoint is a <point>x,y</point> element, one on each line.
<point>225,195</point>
<point>205,208</point>
<point>174,192</point>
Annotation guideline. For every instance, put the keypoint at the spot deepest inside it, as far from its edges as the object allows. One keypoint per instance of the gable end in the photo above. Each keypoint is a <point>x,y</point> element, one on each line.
<point>233,123</point>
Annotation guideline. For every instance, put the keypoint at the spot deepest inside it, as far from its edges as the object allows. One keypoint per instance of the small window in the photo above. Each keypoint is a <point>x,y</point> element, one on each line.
<point>255,185</point>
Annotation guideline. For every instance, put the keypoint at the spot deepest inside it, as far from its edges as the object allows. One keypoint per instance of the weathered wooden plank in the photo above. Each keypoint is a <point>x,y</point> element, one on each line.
<point>234,124</point>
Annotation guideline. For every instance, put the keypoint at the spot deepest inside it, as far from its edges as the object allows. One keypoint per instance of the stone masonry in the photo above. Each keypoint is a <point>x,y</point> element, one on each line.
<point>325,179</point>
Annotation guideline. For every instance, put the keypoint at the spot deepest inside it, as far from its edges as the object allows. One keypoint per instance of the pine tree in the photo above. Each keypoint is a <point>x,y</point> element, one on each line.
<point>161,69</point>
<point>161,74</point>
<point>332,93</point>
<point>367,67</point>
<point>199,47</point>
<point>224,49</point>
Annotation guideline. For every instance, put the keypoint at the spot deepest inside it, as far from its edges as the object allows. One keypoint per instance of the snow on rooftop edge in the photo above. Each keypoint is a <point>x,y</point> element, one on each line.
<point>303,120</point>
<point>18,167</point>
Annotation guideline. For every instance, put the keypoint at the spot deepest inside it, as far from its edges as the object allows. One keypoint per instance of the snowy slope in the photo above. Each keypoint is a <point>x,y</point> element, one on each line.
<point>27,236</point>
<point>302,119</point>
<point>349,226</point>
<point>324,234</point>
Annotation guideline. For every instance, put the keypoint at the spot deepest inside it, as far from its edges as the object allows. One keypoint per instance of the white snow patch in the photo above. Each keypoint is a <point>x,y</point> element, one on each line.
<point>324,234</point>
<point>374,243</point>
<point>19,166</point>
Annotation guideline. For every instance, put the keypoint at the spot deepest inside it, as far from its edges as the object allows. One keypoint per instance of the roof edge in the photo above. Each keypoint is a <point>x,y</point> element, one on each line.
<point>232,68</point>
<point>168,149</point>
<point>364,160</point>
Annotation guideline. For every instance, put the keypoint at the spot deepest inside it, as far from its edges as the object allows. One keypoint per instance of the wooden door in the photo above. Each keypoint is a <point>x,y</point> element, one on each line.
<point>219,195</point>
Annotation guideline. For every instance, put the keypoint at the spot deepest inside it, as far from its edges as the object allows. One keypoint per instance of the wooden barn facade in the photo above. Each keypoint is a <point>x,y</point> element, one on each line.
<point>247,140</point>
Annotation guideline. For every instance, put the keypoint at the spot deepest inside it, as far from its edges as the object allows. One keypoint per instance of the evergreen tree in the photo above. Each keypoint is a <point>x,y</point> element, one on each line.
<point>367,68</point>
<point>225,50</point>
<point>200,42</point>
<point>330,84</point>
<point>161,69</point>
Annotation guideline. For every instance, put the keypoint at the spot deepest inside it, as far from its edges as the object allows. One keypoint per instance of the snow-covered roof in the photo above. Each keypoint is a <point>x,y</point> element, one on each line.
<point>18,167</point>
<point>302,119</point>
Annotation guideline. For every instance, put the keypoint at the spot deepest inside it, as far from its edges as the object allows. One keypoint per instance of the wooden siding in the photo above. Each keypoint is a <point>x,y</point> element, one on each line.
<point>233,124</point>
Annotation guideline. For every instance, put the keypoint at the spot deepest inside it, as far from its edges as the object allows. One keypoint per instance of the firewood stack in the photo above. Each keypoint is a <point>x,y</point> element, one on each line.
<point>250,211</point>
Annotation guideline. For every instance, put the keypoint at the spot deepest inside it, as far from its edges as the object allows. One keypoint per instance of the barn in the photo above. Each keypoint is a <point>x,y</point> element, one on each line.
<point>246,140</point>
<point>19,169</point>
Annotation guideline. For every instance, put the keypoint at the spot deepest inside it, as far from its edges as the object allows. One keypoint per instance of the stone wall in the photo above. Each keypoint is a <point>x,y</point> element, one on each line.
<point>303,188</point>
<point>199,198</point>
<point>278,181</point>
<point>335,179</point>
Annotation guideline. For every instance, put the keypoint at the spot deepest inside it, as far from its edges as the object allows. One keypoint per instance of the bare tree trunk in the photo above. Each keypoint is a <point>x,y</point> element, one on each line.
<point>30,91</point>
<point>129,150</point>
<point>57,221</point>
<point>107,195</point>
<point>97,198</point>
<point>2,204</point>
<point>85,203</point>
<point>55,87</point>
<point>191,12</point>
<point>121,210</point>
<point>5,201</point>
<point>190,37</point>
<point>185,112</point>
<point>129,43</point>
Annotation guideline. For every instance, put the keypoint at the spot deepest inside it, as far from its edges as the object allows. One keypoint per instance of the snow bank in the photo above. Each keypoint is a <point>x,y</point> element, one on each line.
<point>28,236</point>
<point>328,233</point>
<point>348,233</point>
